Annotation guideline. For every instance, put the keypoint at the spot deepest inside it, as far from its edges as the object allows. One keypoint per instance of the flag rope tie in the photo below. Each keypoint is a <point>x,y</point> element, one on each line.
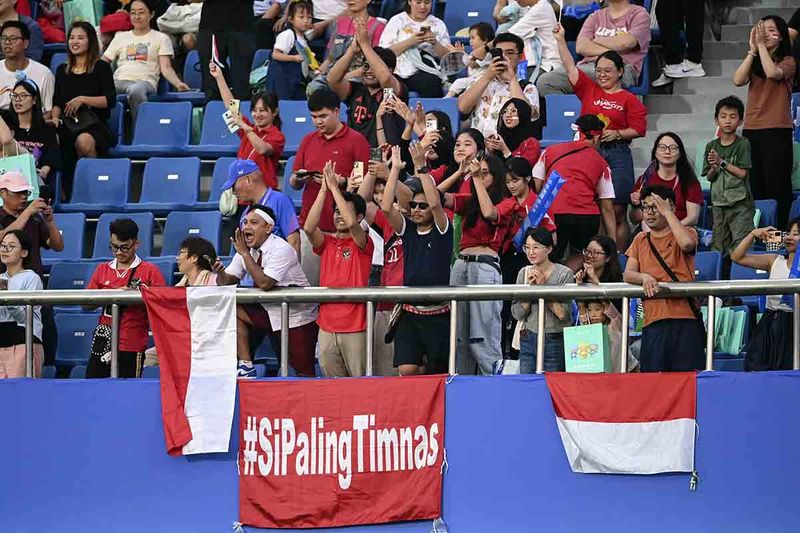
<point>450,379</point>
<point>445,464</point>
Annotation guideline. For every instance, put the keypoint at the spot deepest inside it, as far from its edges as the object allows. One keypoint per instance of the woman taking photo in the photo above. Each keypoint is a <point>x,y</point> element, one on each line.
<point>771,344</point>
<point>515,133</point>
<point>558,315</point>
<point>83,100</point>
<point>625,118</point>
<point>142,55</point>
<point>769,70</point>
<point>14,254</point>
<point>412,35</point>
<point>30,129</point>
<point>485,212</point>
<point>671,168</point>
<point>261,140</point>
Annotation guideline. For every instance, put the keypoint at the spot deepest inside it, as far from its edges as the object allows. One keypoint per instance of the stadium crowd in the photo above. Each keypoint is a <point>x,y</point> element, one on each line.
<point>401,194</point>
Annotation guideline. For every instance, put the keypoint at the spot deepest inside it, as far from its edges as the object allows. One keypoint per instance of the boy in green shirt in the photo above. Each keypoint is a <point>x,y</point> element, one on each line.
<point>726,164</point>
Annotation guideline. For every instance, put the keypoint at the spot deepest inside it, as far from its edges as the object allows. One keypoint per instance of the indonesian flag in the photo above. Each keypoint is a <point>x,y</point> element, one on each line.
<point>626,423</point>
<point>215,53</point>
<point>195,335</point>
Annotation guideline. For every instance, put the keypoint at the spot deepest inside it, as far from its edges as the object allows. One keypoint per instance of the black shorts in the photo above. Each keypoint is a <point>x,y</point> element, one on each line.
<point>575,231</point>
<point>421,338</point>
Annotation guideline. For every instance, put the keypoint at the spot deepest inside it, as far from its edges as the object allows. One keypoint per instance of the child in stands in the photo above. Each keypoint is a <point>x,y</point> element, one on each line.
<point>292,59</point>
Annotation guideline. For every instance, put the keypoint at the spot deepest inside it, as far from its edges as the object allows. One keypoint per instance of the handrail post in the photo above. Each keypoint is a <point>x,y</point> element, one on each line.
<point>623,345</point>
<point>114,340</point>
<point>712,316</point>
<point>796,333</point>
<point>451,357</point>
<point>284,339</point>
<point>540,338</point>
<point>370,334</point>
<point>29,341</point>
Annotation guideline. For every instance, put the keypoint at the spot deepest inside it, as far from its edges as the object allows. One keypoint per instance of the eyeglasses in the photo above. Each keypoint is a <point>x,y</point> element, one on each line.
<point>421,205</point>
<point>649,208</point>
<point>19,96</point>
<point>668,148</point>
<point>535,248</point>
<point>124,248</point>
<point>12,39</point>
<point>8,247</point>
<point>592,253</point>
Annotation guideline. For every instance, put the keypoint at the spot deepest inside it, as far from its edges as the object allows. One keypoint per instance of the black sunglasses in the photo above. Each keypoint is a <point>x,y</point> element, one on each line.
<point>421,205</point>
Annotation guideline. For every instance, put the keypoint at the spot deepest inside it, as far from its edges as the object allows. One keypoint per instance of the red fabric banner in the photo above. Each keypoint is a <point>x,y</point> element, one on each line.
<point>340,452</point>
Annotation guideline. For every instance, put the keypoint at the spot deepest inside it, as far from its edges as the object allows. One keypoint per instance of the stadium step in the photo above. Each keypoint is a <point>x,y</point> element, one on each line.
<point>736,32</point>
<point>702,104</point>
<point>721,67</point>
<point>749,15</point>
<point>724,49</point>
<point>708,86</point>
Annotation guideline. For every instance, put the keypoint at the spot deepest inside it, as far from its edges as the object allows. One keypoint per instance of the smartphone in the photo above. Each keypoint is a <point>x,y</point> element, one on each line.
<point>375,154</point>
<point>230,121</point>
<point>388,92</point>
<point>496,52</point>
<point>774,242</point>
<point>307,174</point>
<point>3,284</point>
<point>425,29</point>
<point>358,169</point>
<point>431,124</point>
<point>234,106</point>
<point>46,194</point>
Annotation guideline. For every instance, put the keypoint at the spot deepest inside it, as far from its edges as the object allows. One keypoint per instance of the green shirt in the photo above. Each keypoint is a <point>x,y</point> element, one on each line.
<point>727,189</point>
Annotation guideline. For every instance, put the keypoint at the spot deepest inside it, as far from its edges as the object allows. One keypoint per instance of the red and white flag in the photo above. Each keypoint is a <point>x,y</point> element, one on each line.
<point>626,423</point>
<point>195,335</point>
<point>215,52</point>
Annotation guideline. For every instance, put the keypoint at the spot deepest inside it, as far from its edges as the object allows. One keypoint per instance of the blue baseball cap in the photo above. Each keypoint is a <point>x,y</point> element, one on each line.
<point>239,168</point>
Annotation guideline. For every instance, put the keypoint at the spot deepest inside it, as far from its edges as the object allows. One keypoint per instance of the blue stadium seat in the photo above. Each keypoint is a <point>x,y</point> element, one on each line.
<point>623,259</point>
<point>743,272</point>
<point>116,123</point>
<point>217,180</point>
<point>259,58</point>
<point>162,129</point>
<point>296,196</point>
<point>215,138</point>
<point>192,72</point>
<point>191,76</point>
<point>644,79</point>
<point>796,115</point>
<point>71,274</point>
<point>562,111</point>
<point>71,227</point>
<point>794,211</point>
<point>167,267</point>
<point>100,185</point>
<point>297,123</point>
<point>261,370</point>
<point>181,224</point>
<point>74,338</point>
<point>78,372</point>
<point>461,14</point>
<point>769,213</point>
<point>448,105</point>
<point>729,365</point>
<point>102,237</point>
<point>48,372</point>
<point>707,266</point>
<point>56,61</point>
<point>169,184</point>
<point>151,372</point>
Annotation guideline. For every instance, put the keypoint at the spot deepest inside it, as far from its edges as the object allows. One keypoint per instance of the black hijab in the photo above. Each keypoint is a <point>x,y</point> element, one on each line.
<point>513,137</point>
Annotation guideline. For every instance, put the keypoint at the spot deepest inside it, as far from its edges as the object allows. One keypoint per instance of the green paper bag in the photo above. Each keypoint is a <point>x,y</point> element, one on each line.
<point>26,164</point>
<point>736,333</point>
<point>89,10</point>
<point>586,349</point>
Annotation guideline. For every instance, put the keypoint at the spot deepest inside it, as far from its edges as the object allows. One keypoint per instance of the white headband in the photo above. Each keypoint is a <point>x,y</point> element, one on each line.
<point>264,215</point>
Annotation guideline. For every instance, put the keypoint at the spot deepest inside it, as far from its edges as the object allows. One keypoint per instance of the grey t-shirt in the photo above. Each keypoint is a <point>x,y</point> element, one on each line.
<point>560,275</point>
<point>25,280</point>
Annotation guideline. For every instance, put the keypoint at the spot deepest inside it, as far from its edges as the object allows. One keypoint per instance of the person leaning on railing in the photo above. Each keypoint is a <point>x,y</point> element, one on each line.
<point>15,249</point>
<point>771,344</point>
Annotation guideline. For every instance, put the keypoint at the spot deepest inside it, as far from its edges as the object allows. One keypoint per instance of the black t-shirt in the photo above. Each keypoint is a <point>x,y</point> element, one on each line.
<point>98,82</point>
<point>426,257</point>
<point>36,230</point>
<point>227,15</point>
<point>42,142</point>
<point>794,23</point>
<point>362,106</point>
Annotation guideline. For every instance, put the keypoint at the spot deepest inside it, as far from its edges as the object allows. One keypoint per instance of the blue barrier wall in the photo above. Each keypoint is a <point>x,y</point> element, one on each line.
<point>89,455</point>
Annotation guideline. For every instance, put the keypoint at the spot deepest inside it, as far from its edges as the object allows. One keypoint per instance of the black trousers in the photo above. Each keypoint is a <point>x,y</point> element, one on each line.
<point>673,345</point>
<point>237,46</point>
<point>130,366</point>
<point>264,33</point>
<point>771,173</point>
<point>675,16</point>
<point>427,85</point>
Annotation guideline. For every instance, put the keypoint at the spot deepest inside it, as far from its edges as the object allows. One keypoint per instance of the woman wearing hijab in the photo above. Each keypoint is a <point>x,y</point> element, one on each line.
<point>515,133</point>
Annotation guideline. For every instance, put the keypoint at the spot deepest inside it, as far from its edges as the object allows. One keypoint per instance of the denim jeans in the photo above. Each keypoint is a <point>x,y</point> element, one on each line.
<point>553,352</point>
<point>619,158</point>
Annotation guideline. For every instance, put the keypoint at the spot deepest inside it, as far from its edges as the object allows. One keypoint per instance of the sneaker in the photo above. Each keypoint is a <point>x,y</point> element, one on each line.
<point>246,370</point>
<point>662,80</point>
<point>686,69</point>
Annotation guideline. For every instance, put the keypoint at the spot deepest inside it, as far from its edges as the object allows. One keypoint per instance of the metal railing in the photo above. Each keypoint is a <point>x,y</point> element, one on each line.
<point>455,295</point>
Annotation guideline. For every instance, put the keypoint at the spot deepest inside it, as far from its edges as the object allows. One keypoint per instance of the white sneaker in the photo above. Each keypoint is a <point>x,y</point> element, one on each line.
<point>686,69</point>
<point>662,80</point>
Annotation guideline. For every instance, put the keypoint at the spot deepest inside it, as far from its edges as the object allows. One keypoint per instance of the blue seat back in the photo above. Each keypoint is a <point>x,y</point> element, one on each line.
<point>163,124</point>
<point>707,266</point>
<point>562,111</point>
<point>78,372</point>
<point>57,60</point>
<point>181,224</point>
<point>71,227</point>
<point>796,116</point>
<point>151,372</point>
<point>171,180</point>
<point>794,211</point>
<point>102,236</point>
<point>296,196</point>
<point>219,177</point>
<point>101,181</point>
<point>260,57</point>
<point>75,336</point>
<point>769,213</point>
<point>116,123</point>
<point>71,275</point>
<point>167,267</point>
<point>192,74</point>
<point>742,272</point>
<point>297,122</point>
<point>448,105</point>
<point>214,131</point>
<point>461,14</point>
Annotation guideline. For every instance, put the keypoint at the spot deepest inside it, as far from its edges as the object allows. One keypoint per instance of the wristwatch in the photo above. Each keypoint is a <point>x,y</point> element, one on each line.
<point>723,164</point>
<point>425,169</point>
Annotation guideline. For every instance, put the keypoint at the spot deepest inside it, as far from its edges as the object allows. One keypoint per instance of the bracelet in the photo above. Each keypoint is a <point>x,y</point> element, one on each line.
<point>751,53</point>
<point>378,129</point>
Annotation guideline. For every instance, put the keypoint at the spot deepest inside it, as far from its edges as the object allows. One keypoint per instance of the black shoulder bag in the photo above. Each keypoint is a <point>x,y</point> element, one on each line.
<point>692,303</point>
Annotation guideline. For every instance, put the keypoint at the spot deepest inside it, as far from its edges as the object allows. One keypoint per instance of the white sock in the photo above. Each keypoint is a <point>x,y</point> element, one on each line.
<point>245,363</point>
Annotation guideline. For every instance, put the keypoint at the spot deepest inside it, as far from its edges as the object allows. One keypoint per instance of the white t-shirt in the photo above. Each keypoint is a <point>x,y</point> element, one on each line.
<point>260,6</point>
<point>24,280</point>
<point>286,39</point>
<point>34,71</point>
<point>400,27</point>
<point>485,115</point>
<point>279,261</point>
<point>539,22</point>
<point>328,9</point>
<point>137,55</point>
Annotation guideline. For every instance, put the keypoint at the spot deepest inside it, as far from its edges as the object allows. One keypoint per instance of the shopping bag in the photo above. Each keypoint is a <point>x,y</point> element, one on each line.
<point>736,333</point>
<point>505,367</point>
<point>24,163</point>
<point>586,349</point>
<point>90,11</point>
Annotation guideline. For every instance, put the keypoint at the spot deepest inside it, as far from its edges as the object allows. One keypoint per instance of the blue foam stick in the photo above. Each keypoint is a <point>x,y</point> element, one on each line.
<point>540,207</point>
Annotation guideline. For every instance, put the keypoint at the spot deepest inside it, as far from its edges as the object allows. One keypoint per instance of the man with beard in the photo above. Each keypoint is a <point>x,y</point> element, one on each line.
<point>363,98</point>
<point>271,262</point>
